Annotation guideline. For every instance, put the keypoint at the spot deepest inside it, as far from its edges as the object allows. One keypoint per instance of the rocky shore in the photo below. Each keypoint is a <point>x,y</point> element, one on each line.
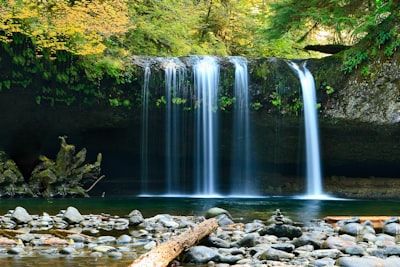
<point>118,240</point>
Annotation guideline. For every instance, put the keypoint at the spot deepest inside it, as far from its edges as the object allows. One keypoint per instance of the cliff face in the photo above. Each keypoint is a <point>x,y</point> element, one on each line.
<point>373,98</point>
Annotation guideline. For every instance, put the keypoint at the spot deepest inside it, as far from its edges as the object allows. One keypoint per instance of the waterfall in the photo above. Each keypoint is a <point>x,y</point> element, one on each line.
<point>175,96</point>
<point>206,80</point>
<point>145,131</point>
<point>241,183</point>
<point>314,180</point>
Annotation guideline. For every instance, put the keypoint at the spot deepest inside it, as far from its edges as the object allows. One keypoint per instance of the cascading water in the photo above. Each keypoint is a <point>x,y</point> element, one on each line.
<point>206,80</point>
<point>241,183</point>
<point>314,180</point>
<point>145,130</point>
<point>175,95</point>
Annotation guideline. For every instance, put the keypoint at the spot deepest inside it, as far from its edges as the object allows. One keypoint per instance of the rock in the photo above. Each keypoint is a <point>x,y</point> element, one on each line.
<point>106,239</point>
<point>103,249</point>
<point>284,247</point>
<point>392,229</point>
<point>352,228</point>
<point>200,254</point>
<point>253,226</point>
<point>275,254</point>
<point>73,216</point>
<point>15,251</point>
<point>67,251</point>
<point>229,259</point>
<point>282,230</point>
<point>21,216</point>
<point>392,250</point>
<point>337,242</point>
<point>326,253</point>
<point>249,240</point>
<point>124,239</point>
<point>214,212</point>
<point>355,250</point>
<point>359,261</point>
<point>135,218</point>
<point>114,254</point>
<point>324,262</point>
<point>216,242</point>
<point>224,220</point>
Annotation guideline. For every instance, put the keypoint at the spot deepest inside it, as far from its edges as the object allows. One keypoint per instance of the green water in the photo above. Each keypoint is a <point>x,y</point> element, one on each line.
<point>243,209</point>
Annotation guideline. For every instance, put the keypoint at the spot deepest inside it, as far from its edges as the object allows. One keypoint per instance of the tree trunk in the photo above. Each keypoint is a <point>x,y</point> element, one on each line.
<point>163,254</point>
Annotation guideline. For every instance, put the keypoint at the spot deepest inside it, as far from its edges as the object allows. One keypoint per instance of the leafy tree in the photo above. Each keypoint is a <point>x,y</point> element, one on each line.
<point>346,21</point>
<point>81,27</point>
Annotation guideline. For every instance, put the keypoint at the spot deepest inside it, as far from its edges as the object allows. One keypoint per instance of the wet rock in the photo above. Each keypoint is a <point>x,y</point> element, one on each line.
<point>200,254</point>
<point>114,254</point>
<point>73,216</point>
<point>282,230</point>
<point>359,261</point>
<point>392,229</point>
<point>135,218</point>
<point>324,262</point>
<point>214,212</point>
<point>253,226</point>
<point>216,242</point>
<point>15,251</point>
<point>103,249</point>
<point>124,239</point>
<point>249,240</point>
<point>224,220</point>
<point>326,253</point>
<point>21,216</point>
<point>67,251</point>
<point>106,239</point>
<point>337,242</point>
<point>275,254</point>
<point>284,247</point>
<point>355,250</point>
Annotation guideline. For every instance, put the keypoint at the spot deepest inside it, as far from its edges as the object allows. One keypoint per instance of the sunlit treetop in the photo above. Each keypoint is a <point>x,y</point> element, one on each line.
<point>80,27</point>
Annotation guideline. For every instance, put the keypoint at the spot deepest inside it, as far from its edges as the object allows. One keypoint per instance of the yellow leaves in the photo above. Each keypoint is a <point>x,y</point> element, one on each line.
<point>80,28</point>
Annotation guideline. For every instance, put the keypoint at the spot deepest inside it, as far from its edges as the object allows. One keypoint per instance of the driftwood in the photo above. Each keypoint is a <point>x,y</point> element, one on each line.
<point>163,254</point>
<point>377,221</point>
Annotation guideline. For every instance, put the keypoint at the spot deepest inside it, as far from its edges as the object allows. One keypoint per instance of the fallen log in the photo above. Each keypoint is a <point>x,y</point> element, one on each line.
<point>163,254</point>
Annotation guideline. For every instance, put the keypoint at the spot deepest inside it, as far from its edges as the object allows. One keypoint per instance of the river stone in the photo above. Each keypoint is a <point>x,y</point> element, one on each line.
<point>392,220</point>
<point>253,226</point>
<point>326,253</point>
<point>353,229</point>
<point>224,220</point>
<point>275,254</point>
<point>282,230</point>
<point>354,261</point>
<point>337,242</point>
<point>73,216</point>
<point>324,262</point>
<point>124,239</point>
<point>392,250</point>
<point>249,240</point>
<point>284,247</point>
<point>103,249</point>
<point>200,254</point>
<point>67,251</point>
<point>355,250</point>
<point>214,212</point>
<point>216,242</point>
<point>21,216</point>
<point>229,259</point>
<point>135,217</point>
<point>15,251</point>
<point>392,229</point>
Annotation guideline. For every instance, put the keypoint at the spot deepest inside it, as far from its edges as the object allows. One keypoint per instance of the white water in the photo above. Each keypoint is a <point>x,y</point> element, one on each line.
<point>314,179</point>
<point>241,182</point>
<point>206,80</point>
<point>145,131</point>
<point>174,80</point>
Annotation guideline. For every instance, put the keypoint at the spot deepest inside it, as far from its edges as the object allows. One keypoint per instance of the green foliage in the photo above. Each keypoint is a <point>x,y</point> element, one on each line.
<point>353,60</point>
<point>226,102</point>
<point>276,100</point>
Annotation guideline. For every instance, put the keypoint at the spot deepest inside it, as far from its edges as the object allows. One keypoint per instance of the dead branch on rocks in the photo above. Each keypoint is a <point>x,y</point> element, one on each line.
<point>163,254</point>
